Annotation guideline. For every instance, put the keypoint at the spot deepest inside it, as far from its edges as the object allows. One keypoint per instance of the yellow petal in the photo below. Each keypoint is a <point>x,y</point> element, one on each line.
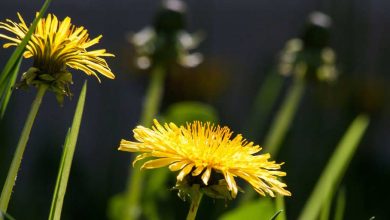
<point>178,165</point>
<point>157,163</point>
<point>140,157</point>
<point>184,172</point>
<point>232,186</point>
<point>198,170</point>
<point>206,176</point>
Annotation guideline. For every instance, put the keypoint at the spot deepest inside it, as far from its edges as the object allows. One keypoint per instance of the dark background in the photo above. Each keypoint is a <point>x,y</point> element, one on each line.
<point>243,39</point>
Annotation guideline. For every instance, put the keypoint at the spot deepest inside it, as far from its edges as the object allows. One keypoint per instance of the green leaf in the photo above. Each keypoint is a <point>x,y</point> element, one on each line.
<point>276,215</point>
<point>8,86</point>
<point>6,216</point>
<point>46,77</point>
<point>325,209</point>
<point>183,112</point>
<point>340,204</point>
<point>335,168</point>
<point>9,73</point>
<point>259,209</point>
<point>66,160</point>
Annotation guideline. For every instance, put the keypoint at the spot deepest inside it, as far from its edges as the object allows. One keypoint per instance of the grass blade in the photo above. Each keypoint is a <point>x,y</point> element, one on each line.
<point>340,204</point>
<point>276,215</point>
<point>325,209</point>
<point>6,216</point>
<point>8,87</point>
<point>335,168</point>
<point>66,160</point>
<point>8,73</point>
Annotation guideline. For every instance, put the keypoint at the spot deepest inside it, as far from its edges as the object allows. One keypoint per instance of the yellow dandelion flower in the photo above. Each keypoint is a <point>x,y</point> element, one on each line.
<point>55,44</point>
<point>202,150</point>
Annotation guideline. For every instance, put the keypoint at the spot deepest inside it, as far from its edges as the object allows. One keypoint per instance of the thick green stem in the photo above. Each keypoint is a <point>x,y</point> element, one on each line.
<point>150,109</point>
<point>196,197</point>
<point>279,203</point>
<point>17,159</point>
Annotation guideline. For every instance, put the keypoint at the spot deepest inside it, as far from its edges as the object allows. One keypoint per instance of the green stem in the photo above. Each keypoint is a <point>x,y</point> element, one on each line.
<point>150,109</point>
<point>196,197</point>
<point>17,159</point>
<point>279,203</point>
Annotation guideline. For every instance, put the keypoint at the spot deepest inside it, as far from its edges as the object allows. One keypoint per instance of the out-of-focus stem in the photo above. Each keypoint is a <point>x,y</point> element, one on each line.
<point>150,109</point>
<point>17,159</point>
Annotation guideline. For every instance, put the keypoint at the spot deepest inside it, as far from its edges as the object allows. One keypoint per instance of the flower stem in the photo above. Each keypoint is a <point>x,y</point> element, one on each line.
<point>17,159</point>
<point>150,109</point>
<point>196,197</point>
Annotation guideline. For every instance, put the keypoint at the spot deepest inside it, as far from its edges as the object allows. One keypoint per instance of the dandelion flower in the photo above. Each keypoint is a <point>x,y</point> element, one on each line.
<point>55,45</point>
<point>202,151</point>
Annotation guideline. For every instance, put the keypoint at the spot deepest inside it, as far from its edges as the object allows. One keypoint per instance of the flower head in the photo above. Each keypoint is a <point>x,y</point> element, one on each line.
<point>55,45</point>
<point>167,42</point>
<point>203,152</point>
<point>310,56</point>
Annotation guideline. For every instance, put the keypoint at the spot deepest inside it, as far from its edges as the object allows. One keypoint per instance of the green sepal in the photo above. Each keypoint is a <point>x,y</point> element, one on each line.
<point>46,77</point>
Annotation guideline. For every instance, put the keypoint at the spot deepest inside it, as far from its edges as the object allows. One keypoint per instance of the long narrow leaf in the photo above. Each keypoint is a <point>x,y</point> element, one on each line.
<point>325,209</point>
<point>340,205</point>
<point>6,216</point>
<point>8,73</point>
<point>8,87</point>
<point>66,160</point>
<point>276,215</point>
<point>60,174</point>
<point>335,168</point>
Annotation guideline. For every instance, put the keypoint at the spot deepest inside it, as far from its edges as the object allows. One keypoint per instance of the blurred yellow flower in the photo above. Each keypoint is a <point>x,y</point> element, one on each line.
<point>56,44</point>
<point>204,150</point>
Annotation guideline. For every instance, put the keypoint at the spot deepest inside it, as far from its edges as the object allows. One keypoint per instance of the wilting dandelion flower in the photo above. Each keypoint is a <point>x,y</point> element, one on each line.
<point>55,45</point>
<point>206,155</point>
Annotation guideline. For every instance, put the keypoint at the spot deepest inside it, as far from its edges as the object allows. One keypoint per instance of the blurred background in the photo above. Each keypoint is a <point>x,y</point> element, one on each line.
<point>242,40</point>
